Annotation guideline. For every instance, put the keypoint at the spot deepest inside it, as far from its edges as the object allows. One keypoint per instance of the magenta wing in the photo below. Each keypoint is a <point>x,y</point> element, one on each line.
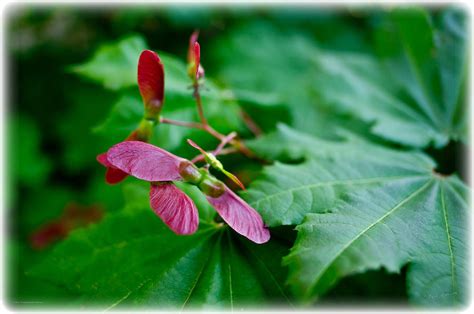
<point>240,216</point>
<point>174,207</point>
<point>145,161</point>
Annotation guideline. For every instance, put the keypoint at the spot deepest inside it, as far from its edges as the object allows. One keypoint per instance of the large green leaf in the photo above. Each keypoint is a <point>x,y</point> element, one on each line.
<point>284,193</point>
<point>132,258</point>
<point>412,95</point>
<point>267,66</point>
<point>363,207</point>
<point>114,65</point>
<point>419,221</point>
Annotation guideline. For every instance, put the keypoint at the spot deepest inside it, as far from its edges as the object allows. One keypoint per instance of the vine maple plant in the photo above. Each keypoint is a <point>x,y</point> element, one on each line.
<point>348,165</point>
<point>161,168</point>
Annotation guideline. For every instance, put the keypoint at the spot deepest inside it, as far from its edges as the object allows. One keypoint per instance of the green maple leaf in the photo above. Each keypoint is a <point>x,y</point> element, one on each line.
<point>411,90</point>
<point>421,222</point>
<point>270,74</point>
<point>414,93</point>
<point>284,193</point>
<point>132,258</point>
<point>360,206</point>
<point>114,64</point>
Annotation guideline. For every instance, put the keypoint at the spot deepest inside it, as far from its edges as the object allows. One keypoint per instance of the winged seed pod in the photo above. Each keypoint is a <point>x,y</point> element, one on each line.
<point>150,163</point>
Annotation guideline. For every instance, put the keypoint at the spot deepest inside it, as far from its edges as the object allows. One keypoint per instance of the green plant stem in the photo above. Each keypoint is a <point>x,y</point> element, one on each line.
<point>193,125</point>
<point>197,97</point>
<point>204,125</point>
<point>238,144</point>
<point>225,151</point>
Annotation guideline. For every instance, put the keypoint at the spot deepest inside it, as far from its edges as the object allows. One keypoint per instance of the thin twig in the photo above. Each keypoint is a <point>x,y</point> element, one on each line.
<point>224,142</point>
<point>225,151</point>
<point>197,96</point>
<point>186,124</point>
<point>235,142</point>
<point>250,123</point>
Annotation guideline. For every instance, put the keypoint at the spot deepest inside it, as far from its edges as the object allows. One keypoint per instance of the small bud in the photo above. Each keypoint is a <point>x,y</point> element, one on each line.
<point>212,187</point>
<point>212,160</point>
<point>189,172</point>
<point>216,164</point>
<point>192,39</point>
<point>195,70</point>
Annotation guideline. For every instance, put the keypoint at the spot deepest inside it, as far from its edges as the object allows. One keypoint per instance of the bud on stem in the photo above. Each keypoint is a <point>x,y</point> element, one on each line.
<point>144,130</point>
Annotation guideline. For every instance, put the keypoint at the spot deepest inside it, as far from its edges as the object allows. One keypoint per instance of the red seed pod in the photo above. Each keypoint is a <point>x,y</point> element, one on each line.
<point>192,41</point>
<point>151,82</point>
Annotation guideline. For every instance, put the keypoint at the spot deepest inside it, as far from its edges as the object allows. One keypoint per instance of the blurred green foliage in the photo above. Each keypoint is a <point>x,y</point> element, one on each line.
<point>324,72</point>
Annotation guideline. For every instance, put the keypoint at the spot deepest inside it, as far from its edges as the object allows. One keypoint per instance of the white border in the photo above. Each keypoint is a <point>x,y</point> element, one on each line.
<point>5,6</point>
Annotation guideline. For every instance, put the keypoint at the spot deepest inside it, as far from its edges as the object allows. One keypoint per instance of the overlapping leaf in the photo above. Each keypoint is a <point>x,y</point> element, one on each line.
<point>286,193</point>
<point>132,258</point>
<point>112,62</point>
<point>421,221</point>
<point>276,70</point>
<point>364,207</point>
<point>412,95</point>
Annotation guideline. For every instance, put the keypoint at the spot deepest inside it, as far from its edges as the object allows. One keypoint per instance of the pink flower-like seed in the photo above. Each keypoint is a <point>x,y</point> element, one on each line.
<point>175,208</point>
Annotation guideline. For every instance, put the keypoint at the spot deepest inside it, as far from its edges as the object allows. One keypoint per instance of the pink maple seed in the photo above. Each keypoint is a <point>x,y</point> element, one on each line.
<point>151,82</point>
<point>174,207</point>
<point>114,175</point>
<point>145,161</point>
<point>240,216</point>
